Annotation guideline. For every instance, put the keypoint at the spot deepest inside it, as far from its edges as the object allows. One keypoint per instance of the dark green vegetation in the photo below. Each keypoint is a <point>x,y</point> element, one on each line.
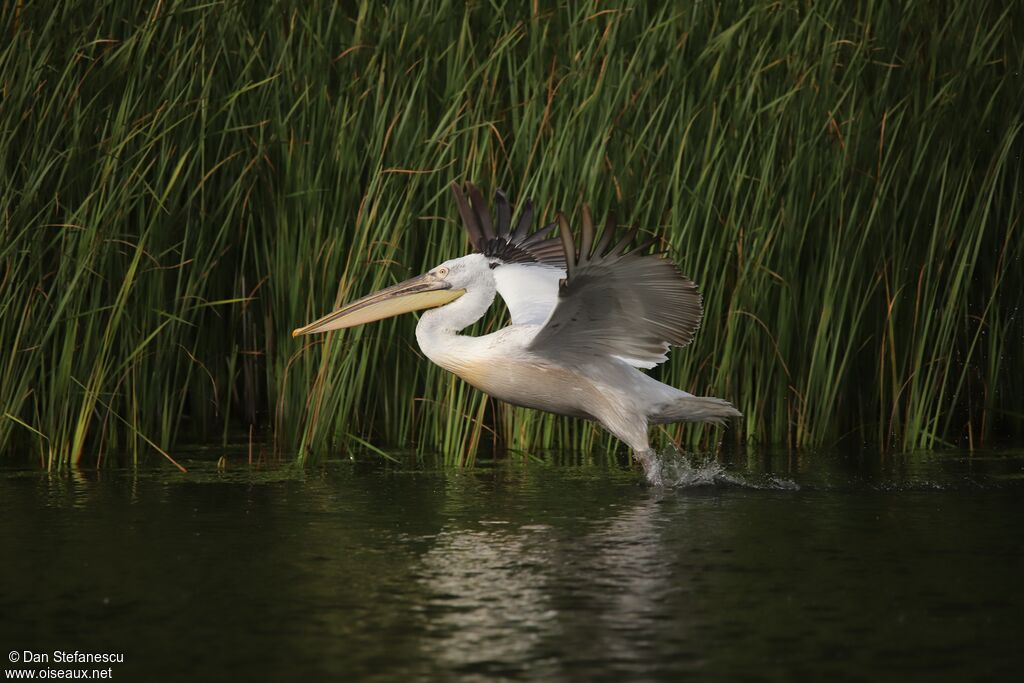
<point>182,183</point>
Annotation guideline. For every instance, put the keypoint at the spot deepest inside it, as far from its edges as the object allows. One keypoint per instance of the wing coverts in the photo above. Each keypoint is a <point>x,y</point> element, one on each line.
<point>617,301</point>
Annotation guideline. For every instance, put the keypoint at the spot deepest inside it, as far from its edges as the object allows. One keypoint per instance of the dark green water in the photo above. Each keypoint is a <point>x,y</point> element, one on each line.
<point>821,568</point>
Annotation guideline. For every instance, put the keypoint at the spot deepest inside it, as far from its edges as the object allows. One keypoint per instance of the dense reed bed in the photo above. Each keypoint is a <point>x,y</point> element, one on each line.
<point>182,183</point>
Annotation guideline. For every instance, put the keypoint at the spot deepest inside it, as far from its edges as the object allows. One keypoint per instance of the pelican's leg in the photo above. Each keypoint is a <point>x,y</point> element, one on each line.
<point>631,429</point>
<point>651,463</point>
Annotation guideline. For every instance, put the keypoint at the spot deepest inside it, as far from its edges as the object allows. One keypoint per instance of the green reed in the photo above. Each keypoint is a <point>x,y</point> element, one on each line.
<point>184,182</point>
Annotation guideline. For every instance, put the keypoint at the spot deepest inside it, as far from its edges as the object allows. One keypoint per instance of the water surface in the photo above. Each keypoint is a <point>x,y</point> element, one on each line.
<point>773,568</point>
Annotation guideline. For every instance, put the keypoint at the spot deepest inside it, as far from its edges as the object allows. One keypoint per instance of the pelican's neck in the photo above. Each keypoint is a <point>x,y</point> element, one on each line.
<point>438,330</point>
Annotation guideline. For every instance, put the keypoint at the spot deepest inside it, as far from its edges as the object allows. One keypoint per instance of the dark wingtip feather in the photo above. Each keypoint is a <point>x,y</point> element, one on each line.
<point>607,232</point>
<point>498,240</point>
<point>539,237</point>
<point>644,246</point>
<point>504,211</point>
<point>568,246</point>
<point>588,235</point>
<point>483,214</point>
<point>469,221</point>
<point>621,246</point>
<point>525,221</point>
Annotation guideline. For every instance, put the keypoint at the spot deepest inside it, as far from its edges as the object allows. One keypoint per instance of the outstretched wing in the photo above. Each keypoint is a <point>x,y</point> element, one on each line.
<point>617,301</point>
<point>527,266</point>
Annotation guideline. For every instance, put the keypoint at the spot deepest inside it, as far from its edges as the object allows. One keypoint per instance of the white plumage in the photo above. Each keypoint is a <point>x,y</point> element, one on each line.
<point>582,322</point>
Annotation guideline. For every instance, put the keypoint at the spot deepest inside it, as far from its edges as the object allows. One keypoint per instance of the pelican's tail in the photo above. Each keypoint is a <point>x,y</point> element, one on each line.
<point>695,409</point>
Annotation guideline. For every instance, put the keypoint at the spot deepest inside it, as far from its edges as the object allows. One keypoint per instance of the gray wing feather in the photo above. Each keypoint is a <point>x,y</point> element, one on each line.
<point>618,302</point>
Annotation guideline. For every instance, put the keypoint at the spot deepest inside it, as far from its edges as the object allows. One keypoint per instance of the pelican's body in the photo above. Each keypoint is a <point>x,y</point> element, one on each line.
<point>575,342</point>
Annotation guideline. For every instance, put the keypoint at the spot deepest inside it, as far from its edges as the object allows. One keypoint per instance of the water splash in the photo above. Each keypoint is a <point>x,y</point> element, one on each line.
<point>682,470</point>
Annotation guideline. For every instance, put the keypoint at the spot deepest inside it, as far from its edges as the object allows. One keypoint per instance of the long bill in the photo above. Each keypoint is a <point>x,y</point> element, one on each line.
<point>423,291</point>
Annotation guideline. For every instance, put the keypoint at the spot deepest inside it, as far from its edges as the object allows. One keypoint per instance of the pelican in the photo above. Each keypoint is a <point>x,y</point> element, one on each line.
<point>584,321</point>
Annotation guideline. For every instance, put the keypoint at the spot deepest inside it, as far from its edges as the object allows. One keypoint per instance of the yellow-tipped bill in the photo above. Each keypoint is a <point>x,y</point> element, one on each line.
<point>424,291</point>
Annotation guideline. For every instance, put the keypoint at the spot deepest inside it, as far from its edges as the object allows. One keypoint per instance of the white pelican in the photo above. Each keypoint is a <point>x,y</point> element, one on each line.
<point>583,322</point>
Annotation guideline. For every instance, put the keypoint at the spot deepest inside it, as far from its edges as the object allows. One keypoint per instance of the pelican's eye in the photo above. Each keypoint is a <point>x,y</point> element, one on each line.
<point>442,271</point>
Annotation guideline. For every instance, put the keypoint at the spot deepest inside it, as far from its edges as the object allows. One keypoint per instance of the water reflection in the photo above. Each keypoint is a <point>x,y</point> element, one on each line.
<point>594,597</point>
<point>480,587</point>
<point>630,569</point>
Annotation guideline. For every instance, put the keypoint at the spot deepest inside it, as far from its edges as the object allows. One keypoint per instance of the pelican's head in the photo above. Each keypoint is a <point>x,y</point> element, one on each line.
<point>439,286</point>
